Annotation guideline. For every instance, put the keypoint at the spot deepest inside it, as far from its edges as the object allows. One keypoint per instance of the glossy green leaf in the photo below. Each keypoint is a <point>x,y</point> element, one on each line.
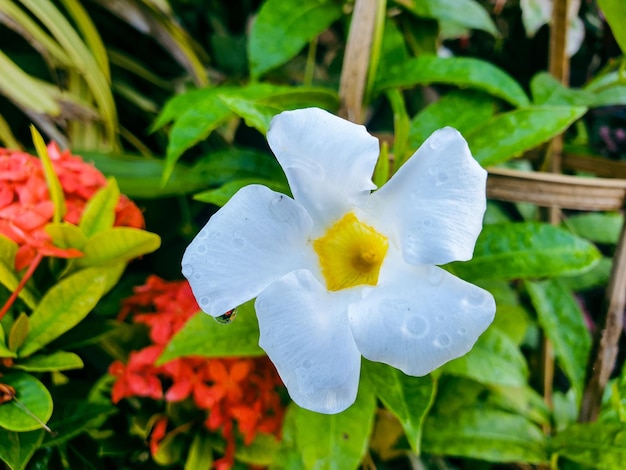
<point>222,195</point>
<point>599,445</point>
<point>16,448</point>
<point>523,401</point>
<point>597,276</point>
<point>283,27</point>
<point>508,135</point>
<point>117,245</point>
<point>563,323</point>
<point>458,71</point>
<point>599,227</point>
<point>547,90</point>
<point>466,13</point>
<point>8,250</point>
<point>615,14</point>
<point>320,441</point>
<point>52,180</point>
<point>485,434</point>
<point>4,349</point>
<point>494,360</point>
<point>63,306</point>
<point>19,331</point>
<point>262,451</point>
<point>203,336</point>
<point>32,394</point>
<point>66,235</point>
<point>612,96</point>
<point>99,213</point>
<point>200,453</point>
<point>74,417</point>
<point>407,398</point>
<point>462,109</point>
<point>56,361</point>
<point>527,250</point>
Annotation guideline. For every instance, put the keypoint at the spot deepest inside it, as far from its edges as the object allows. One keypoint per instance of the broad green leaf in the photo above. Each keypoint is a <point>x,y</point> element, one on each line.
<point>408,398</point>
<point>56,361</point>
<point>200,453</point>
<point>66,235</point>
<point>526,250</point>
<point>74,417</point>
<point>599,445</point>
<point>563,323</point>
<point>32,394</point>
<point>485,434</point>
<point>255,115</point>
<point>117,245</point>
<point>612,96</point>
<point>599,227</point>
<point>494,360</point>
<point>547,90</point>
<point>466,13</point>
<point>458,71</point>
<point>615,14</point>
<point>63,306</point>
<point>262,451</point>
<point>54,185</point>
<point>99,213</point>
<point>523,401</point>
<point>283,27</point>
<point>393,47</point>
<point>510,134</point>
<point>4,349</point>
<point>220,196</point>
<point>16,448</point>
<point>331,442</point>
<point>203,336</point>
<point>462,109</point>
<point>597,276</point>
<point>18,332</point>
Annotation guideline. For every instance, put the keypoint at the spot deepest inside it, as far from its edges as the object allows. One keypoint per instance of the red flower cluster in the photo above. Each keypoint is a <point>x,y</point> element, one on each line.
<point>26,207</point>
<point>233,391</point>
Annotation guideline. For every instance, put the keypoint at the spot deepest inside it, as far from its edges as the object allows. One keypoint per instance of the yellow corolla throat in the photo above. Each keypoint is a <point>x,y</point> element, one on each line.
<point>351,253</point>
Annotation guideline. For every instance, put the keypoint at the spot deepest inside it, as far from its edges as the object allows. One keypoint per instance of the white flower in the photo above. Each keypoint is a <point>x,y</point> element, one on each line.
<point>338,271</point>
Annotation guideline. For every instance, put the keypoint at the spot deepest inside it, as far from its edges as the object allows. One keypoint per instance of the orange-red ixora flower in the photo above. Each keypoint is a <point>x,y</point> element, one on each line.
<point>26,207</point>
<point>235,393</point>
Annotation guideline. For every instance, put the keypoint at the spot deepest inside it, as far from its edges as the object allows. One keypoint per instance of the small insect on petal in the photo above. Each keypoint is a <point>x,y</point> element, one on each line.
<point>227,317</point>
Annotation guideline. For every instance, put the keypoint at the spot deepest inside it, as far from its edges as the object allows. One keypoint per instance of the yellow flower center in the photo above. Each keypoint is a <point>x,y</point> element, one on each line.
<point>351,253</point>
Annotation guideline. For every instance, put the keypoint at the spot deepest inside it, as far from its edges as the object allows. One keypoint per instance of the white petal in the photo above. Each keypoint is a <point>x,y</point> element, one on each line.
<point>256,238</point>
<point>328,161</point>
<point>420,319</point>
<point>436,201</point>
<point>305,332</point>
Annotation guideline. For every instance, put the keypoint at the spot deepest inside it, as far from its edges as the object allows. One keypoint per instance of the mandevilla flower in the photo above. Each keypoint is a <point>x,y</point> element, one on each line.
<point>340,271</point>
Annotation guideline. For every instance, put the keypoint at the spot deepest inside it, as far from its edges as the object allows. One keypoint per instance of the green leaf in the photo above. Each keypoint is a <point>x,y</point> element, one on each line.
<point>599,227</point>
<point>485,434</point>
<point>63,306</point>
<point>203,336</point>
<point>466,13</point>
<point>117,245</point>
<point>458,71</point>
<point>9,279</point>
<point>320,441</point>
<point>222,195</point>
<point>547,90</point>
<point>261,451</point>
<point>563,323</point>
<point>600,445</point>
<point>612,96</point>
<point>56,361</point>
<point>54,186</point>
<point>462,109</point>
<point>523,401</point>
<point>597,276</point>
<point>407,398</point>
<point>508,135</point>
<point>200,453</point>
<point>16,448</point>
<point>494,360</point>
<point>99,213</point>
<point>4,350</point>
<point>615,14</point>
<point>283,27</point>
<point>526,250</point>
<point>18,332</point>
<point>66,235</point>
<point>32,394</point>
<point>75,417</point>
<point>8,250</point>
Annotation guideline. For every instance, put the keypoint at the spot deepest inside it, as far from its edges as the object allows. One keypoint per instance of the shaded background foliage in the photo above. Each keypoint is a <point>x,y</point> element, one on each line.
<point>172,99</point>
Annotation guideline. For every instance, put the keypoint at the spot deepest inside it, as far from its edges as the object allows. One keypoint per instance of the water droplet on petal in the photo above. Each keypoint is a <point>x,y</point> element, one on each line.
<point>204,302</point>
<point>216,235</point>
<point>197,276</point>
<point>441,178</point>
<point>203,234</point>
<point>201,249</point>
<point>306,364</point>
<point>443,341</point>
<point>476,297</point>
<point>427,222</point>
<point>187,270</point>
<point>417,326</point>
<point>462,331</point>
<point>435,275</point>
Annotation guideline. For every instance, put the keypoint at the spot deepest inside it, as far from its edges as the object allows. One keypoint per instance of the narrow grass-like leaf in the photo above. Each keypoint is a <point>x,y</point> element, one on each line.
<point>508,135</point>
<point>33,395</point>
<point>63,306</point>
<point>527,250</point>
<point>283,27</point>
<point>54,185</point>
<point>459,71</point>
<point>563,323</point>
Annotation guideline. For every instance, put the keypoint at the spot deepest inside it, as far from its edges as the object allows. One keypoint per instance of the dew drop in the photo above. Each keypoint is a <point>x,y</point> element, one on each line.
<point>204,301</point>
<point>435,275</point>
<point>239,243</point>
<point>201,249</point>
<point>203,234</point>
<point>306,364</point>
<point>462,331</point>
<point>187,270</point>
<point>443,341</point>
<point>417,326</point>
<point>216,235</point>
<point>427,222</point>
<point>441,178</point>
<point>476,297</point>
<point>434,143</point>
<point>197,276</point>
